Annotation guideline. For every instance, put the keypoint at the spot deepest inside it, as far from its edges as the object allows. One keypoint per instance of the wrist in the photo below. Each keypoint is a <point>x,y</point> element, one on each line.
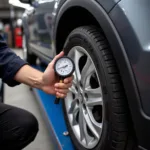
<point>38,81</point>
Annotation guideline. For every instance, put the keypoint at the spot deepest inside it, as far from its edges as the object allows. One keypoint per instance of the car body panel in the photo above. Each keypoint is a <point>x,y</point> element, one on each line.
<point>108,4</point>
<point>40,27</point>
<point>131,19</point>
<point>25,23</point>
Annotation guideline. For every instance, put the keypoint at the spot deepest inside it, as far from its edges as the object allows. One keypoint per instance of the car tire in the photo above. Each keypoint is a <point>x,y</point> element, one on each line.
<point>27,55</point>
<point>116,122</point>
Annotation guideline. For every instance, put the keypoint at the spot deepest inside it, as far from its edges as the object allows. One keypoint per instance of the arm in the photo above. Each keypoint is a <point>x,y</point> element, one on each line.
<point>47,81</point>
<point>14,70</point>
<point>29,76</point>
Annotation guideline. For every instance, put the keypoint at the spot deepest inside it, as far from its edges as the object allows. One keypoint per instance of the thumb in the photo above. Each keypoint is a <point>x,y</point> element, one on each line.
<point>56,57</point>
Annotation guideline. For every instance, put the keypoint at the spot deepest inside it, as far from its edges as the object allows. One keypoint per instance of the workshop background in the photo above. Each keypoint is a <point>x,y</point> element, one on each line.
<point>22,96</point>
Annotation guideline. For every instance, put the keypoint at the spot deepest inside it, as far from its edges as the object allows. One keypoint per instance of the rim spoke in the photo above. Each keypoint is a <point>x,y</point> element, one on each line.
<point>94,102</point>
<point>75,81</point>
<point>77,56</point>
<point>95,129</point>
<point>73,106</point>
<point>88,138</point>
<point>93,92</point>
<point>75,84</point>
<point>87,70</point>
<point>82,124</point>
<point>75,112</point>
<point>94,96</point>
<point>73,89</point>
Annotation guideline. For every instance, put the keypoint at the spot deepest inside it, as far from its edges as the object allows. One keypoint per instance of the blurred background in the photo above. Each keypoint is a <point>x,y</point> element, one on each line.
<point>11,13</point>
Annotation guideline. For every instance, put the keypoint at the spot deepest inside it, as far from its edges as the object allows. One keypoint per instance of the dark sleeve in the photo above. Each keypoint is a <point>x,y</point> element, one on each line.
<point>10,63</point>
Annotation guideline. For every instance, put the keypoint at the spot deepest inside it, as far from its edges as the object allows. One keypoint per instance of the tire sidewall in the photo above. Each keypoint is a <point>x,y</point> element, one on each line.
<point>78,38</point>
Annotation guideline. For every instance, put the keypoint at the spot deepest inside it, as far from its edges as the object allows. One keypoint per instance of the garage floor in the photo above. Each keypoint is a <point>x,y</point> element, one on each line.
<point>22,97</point>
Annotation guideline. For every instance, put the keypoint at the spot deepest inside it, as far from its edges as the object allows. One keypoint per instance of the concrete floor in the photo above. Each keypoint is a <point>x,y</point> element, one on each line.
<point>22,97</point>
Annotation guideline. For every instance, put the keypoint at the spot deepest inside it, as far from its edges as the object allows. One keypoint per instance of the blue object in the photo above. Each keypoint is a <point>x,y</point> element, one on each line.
<point>55,120</point>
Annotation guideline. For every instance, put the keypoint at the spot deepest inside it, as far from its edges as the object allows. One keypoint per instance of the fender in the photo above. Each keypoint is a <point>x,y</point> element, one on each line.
<point>108,4</point>
<point>118,51</point>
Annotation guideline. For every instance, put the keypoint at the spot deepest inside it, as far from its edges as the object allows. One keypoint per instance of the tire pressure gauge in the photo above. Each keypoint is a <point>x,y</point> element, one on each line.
<point>64,67</point>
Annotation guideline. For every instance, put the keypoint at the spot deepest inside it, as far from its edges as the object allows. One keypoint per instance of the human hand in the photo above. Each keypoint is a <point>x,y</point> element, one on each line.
<point>51,83</point>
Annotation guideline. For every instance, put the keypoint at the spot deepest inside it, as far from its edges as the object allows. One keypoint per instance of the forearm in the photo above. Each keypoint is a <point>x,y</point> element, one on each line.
<point>30,76</point>
<point>47,81</point>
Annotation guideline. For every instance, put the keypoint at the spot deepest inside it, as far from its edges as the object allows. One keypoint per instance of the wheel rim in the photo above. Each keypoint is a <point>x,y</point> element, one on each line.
<point>84,102</point>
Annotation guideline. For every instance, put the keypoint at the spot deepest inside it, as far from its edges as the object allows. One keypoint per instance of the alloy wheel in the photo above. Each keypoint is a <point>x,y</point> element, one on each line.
<point>84,102</point>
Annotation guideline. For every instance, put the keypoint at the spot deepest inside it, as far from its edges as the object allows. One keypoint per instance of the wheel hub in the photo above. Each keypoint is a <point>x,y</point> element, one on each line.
<point>81,98</point>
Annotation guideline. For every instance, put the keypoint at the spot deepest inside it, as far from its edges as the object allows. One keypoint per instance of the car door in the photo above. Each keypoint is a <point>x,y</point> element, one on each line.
<point>33,29</point>
<point>41,27</point>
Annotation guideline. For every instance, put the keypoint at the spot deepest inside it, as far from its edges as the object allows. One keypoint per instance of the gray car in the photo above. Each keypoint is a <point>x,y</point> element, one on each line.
<point>108,106</point>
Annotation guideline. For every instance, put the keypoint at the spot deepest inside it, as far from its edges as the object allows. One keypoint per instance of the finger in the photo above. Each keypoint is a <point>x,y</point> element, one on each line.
<point>57,56</point>
<point>60,95</point>
<point>68,80</point>
<point>63,85</point>
<point>63,91</point>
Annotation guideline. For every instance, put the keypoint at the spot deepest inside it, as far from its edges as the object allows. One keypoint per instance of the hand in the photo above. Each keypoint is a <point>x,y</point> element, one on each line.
<point>51,83</point>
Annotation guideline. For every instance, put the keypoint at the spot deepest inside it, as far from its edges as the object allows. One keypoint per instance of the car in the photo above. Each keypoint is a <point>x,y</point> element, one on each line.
<point>108,105</point>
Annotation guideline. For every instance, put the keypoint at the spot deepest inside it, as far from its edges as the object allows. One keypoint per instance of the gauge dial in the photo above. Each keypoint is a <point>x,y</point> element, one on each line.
<point>64,66</point>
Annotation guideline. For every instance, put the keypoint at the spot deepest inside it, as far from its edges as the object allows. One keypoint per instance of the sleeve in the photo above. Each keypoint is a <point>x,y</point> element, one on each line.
<point>10,63</point>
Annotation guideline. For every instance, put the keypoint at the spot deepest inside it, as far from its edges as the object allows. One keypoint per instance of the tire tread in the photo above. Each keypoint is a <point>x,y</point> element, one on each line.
<point>119,116</point>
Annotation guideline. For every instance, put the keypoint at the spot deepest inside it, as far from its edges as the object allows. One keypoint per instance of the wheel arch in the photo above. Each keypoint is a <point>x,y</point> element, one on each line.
<point>76,16</point>
<point>102,20</point>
